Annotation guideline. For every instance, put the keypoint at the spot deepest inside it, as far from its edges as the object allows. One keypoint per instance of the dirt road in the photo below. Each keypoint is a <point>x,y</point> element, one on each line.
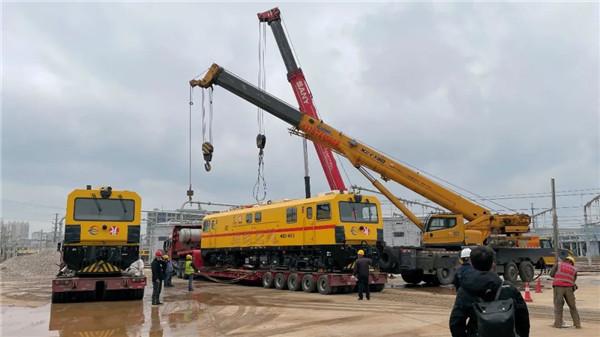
<point>234,310</point>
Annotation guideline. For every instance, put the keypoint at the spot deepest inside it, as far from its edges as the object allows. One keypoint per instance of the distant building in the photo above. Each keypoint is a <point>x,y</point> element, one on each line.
<point>13,236</point>
<point>580,240</point>
<point>398,230</point>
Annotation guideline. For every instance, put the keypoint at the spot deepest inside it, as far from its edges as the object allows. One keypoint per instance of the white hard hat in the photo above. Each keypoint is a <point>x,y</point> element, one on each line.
<point>466,252</point>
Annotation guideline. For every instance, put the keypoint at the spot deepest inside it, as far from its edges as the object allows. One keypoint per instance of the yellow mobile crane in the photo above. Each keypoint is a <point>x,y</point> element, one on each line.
<point>443,234</point>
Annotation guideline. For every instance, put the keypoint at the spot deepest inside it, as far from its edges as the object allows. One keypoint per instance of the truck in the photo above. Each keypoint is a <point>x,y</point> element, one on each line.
<point>444,235</point>
<point>100,248</point>
<point>184,240</point>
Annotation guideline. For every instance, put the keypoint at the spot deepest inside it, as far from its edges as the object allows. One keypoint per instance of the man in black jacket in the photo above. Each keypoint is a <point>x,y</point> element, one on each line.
<point>361,272</point>
<point>158,276</point>
<point>482,283</point>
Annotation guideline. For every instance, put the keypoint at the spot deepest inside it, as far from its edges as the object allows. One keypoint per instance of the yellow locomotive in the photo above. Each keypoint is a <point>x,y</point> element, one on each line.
<point>102,230</point>
<point>320,233</point>
<point>102,239</point>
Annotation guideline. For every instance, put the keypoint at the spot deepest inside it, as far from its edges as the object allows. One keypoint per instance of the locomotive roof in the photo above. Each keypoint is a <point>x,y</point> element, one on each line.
<point>291,202</point>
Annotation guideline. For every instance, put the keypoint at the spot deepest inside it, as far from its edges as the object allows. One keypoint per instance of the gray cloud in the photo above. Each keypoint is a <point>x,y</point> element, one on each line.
<point>494,98</point>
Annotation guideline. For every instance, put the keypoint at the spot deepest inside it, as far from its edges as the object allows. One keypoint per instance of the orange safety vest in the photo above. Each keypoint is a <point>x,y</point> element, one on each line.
<point>565,275</point>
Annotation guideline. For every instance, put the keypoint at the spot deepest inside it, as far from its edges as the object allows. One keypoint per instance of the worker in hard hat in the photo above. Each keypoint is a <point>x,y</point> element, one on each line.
<point>168,271</point>
<point>189,271</point>
<point>158,276</point>
<point>464,268</point>
<point>565,275</point>
<point>361,272</point>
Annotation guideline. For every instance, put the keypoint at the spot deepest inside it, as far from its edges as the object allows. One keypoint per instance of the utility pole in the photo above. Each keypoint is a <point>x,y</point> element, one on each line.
<point>55,227</point>
<point>554,221</point>
<point>532,217</point>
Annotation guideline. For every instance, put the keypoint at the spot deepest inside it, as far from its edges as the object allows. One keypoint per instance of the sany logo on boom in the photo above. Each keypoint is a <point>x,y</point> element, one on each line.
<point>302,91</point>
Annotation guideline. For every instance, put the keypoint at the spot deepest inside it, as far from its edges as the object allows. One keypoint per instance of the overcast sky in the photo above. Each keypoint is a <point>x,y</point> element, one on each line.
<point>495,98</point>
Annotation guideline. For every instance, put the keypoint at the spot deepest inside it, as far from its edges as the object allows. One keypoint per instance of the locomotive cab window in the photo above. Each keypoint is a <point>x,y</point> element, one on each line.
<point>249,218</point>
<point>291,215</point>
<point>257,217</point>
<point>358,212</point>
<point>323,211</point>
<point>99,209</point>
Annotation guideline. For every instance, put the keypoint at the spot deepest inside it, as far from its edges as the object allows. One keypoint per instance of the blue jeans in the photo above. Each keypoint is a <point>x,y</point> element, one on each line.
<point>168,280</point>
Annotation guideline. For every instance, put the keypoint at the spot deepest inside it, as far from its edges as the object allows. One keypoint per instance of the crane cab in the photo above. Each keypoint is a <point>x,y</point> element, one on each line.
<point>444,230</point>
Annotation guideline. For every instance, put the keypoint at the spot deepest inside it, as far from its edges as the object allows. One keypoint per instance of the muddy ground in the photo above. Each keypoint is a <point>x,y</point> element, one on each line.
<point>234,310</point>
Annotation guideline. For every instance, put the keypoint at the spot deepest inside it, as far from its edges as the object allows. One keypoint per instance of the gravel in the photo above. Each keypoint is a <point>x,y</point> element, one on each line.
<point>43,265</point>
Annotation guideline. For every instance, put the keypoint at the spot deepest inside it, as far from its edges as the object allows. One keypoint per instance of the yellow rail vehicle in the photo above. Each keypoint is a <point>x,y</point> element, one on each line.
<point>102,230</point>
<point>319,233</point>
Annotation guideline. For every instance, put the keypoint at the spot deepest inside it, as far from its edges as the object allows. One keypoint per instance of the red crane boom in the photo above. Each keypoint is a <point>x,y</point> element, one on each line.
<point>303,94</point>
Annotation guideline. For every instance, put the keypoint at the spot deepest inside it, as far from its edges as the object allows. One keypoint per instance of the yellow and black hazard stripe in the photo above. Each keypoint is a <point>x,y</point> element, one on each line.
<point>101,267</point>
<point>97,333</point>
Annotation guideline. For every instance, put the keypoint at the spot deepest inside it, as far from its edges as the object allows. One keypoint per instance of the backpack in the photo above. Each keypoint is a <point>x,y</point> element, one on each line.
<point>495,318</point>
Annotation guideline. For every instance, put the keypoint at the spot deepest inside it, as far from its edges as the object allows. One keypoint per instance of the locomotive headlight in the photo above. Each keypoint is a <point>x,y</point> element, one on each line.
<point>357,198</point>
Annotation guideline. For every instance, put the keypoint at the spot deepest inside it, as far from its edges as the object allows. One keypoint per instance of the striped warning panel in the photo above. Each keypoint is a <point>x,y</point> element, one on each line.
<point>101,267</point>
<point>97,333</point>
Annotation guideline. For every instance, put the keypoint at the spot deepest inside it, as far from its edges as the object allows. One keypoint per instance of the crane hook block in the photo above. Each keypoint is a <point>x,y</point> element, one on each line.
<point>207,152</point>
<point>261,141</point>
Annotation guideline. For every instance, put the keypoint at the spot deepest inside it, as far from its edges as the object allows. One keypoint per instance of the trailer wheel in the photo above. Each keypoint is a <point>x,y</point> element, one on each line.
<point>511,272</point>
<point>280,281</point>
<point>267,280</point>
<point>412,276</point>
<point>293,283</point>
<point>526,271</point>
<point>445,275</point>
<point>323,285</point>
<point>308,283</point>
<point>375,288</point>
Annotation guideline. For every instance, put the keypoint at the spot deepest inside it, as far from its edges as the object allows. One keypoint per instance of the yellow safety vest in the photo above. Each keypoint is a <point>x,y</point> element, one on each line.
<point>189,269</point>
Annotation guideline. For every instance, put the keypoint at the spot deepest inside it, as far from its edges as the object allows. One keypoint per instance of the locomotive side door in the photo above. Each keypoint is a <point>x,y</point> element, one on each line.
<point>308,232</point>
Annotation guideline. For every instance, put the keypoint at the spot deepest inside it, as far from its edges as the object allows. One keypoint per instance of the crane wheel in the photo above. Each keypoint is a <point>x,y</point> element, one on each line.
<point>412,276</point>
<point>526,271</point>
<point>445,276</point>
<point>511,272</point>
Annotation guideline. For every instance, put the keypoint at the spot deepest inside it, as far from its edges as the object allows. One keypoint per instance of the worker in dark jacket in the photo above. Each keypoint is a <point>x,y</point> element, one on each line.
<point>464,268</point>
<point>158,276</point>
<point>361,272</point>
<point>483,283</point>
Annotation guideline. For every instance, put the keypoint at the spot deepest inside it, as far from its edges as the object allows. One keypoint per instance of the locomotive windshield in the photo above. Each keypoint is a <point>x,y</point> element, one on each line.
<point>98,209</point>
<point>358,212</point>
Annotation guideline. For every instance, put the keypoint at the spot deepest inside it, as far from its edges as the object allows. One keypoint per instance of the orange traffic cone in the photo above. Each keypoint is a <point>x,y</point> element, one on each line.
<point>538,286</point>
<point>527,296</point>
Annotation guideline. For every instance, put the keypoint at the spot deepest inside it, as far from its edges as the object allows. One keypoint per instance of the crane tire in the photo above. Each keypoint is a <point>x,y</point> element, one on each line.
<point>526,271</point>
<point>511,272</point>
<point>412,276</point>
<point>445,276</point>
